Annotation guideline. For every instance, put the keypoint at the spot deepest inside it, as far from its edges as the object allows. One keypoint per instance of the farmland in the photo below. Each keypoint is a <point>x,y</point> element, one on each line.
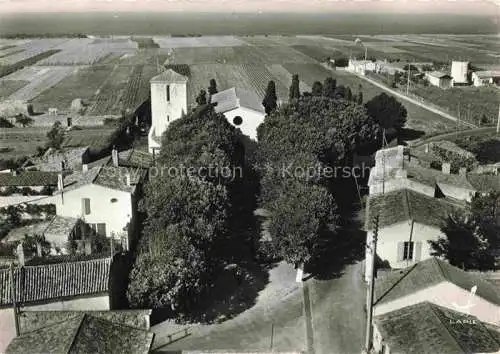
<point>8,87</point>
<point>21,141</point>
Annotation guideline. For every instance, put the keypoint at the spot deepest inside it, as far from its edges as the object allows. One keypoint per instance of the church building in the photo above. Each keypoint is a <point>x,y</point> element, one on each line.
<point>170,100</point>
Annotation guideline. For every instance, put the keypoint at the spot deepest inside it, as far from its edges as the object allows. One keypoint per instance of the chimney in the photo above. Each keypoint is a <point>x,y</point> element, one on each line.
<point>39,249</point>
<point>85,167</point>
<point>114,156</point>
<point>426,148</point>
<point>462,171</point>
<point>127,179</point>
<point>446,168</point>
<point>14,172</point>
<point>62,166</point>
<point>20,254</point>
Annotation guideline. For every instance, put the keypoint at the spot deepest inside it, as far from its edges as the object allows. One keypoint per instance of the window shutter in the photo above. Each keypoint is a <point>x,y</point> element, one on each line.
<point>83,206</point>
<point>418,251</point>
<point>87,206</point>
<point>400,251</point>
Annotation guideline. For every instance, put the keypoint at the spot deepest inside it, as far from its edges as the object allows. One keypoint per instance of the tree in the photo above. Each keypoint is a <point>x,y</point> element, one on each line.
<point>317,89</point>
<point>270,99</point>
<point>201,99</point>
<point>340,92</point>
<point>5,123</point>
<point>360,98</point>
<point>24,120</point>
<point>294,88</point>
<point>212,89</point>
<point>55,136</point>
<point>471,235</point>
<point>329,86</point>
<point>348,94</point>
<point>387,111</point>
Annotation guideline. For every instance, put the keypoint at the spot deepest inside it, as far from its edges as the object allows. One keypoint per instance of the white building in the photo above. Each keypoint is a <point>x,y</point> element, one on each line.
<point>439,79</point>
<point>483,78</point>
<point>169,101</point>
<point>362,66</point>
<point>459,72</point>
<point>407,221</point>
<point>105,197</point>
<point>241,108</point>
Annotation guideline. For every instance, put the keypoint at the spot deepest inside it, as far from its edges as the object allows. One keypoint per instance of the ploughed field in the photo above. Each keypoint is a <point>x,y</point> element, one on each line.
<point>112,74</point>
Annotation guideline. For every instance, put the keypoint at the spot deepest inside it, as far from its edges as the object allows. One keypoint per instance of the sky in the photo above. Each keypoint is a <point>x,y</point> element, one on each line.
<point>485,7</point>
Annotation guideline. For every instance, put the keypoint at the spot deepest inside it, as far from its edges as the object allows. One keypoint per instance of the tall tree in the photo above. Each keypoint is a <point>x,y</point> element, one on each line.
<point>212,89</point>
<point>55,135</point>
<point>294,93</point>
<point>270,99</point>
<point>471,235</point>
<point>340,92</point>
<point>317,89</point>
<point>387,111</point>
<point>201,99</point>
<point>329,86</point>
<point>348,94</point>
<point>360,98</point>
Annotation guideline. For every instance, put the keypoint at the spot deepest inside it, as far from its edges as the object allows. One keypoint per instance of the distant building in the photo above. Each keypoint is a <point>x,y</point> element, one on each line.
<point>83,332</point>
<point>439,79</point>
<point>241,108</point>
<point>483,78</point>
<point>169,101</point>
<point>429,328</point>
<point>361,67</point>
<point>460,72</point>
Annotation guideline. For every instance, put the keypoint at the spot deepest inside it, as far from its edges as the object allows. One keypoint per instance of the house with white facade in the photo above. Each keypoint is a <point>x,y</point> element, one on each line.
<point>439,79</point>
<point>105,197</point>
<point>407,221</point>
<point>361,67</point>
<point>483,78</point>
<point>241,108</point>
<point>438,282</point>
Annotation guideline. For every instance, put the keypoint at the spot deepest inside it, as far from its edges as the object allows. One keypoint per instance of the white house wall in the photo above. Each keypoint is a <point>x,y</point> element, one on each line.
<point>447,295</point>
<point>114,215</point>
<point>389,238</point>
<point>90,303</point>
<point>251,120</point>
<point>7,328</point>
<point>456,192</point>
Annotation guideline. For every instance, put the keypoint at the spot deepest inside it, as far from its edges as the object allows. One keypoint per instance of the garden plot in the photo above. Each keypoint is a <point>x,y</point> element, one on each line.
<point>32,48</point>
<point>8,87</point>
<point>40,79</point>
<point>205,41</point>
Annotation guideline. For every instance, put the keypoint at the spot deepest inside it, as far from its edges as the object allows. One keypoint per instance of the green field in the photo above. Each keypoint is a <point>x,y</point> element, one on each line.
<point>22,141</point>
<point>8,87</point>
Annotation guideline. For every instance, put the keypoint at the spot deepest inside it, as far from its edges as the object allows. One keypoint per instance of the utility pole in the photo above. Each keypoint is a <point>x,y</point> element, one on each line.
<point>498,120</point>
<point>371,286</point>
<point>13,296</point>
<point>408,82</point>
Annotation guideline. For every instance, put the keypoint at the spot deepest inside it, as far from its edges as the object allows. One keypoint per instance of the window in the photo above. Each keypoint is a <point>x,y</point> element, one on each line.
<point>408,250</point>
<point>85,206</point>
<point>237,120</point>
<point>168,118</point>
<point>168,93</point>
<point>99,228</point>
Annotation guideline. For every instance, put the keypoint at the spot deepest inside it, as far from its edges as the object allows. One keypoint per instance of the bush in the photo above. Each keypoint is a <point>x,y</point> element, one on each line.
<point>5,123</point>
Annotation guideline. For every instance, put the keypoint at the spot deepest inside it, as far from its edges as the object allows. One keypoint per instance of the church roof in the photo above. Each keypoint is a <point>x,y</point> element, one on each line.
<point>236,97</point>
<point>169,75</point>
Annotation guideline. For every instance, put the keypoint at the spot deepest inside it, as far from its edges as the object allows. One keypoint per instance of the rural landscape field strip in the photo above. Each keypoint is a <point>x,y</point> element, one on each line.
<point>22,141</point>
<point>8,87</point>
<point>32,48</point>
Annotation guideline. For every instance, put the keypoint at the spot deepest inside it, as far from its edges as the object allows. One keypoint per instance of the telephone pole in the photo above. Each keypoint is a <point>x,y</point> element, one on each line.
<point>371,285</point>
<point>13,297</point>
<point>408,82</point>
<point>498,120</point>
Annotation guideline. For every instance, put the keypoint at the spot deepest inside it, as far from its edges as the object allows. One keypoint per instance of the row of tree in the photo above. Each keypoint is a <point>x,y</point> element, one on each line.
<point>188,208</point>
<point>298,144</point>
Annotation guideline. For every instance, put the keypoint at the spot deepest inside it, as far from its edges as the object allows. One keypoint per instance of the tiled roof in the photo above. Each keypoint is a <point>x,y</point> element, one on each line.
<point>428,273</point>
<point>106,176</point>
<point>401,205</point>
<point>484,183</point>
<point>83,333</point>
<point>233,98</point>
<point>55,281</point>
<point>55,230</point>
<point>438,74</point>
<point>135,158</point>
<point>29,178</point>
<point>487,74</point>
<point>169,76</point>
<point>32,320</point>
<point>51,161</point>
<point>428,328</point>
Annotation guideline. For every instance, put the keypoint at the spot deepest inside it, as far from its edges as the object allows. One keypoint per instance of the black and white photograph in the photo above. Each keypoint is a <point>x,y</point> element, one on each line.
<point>249,176</point>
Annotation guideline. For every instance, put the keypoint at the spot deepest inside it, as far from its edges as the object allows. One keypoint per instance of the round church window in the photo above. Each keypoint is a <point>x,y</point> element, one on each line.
<point>237,120</point>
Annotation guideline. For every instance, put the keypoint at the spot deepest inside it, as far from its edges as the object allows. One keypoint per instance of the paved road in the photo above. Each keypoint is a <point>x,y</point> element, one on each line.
<point>338,316</point>
<point>409,99</point>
